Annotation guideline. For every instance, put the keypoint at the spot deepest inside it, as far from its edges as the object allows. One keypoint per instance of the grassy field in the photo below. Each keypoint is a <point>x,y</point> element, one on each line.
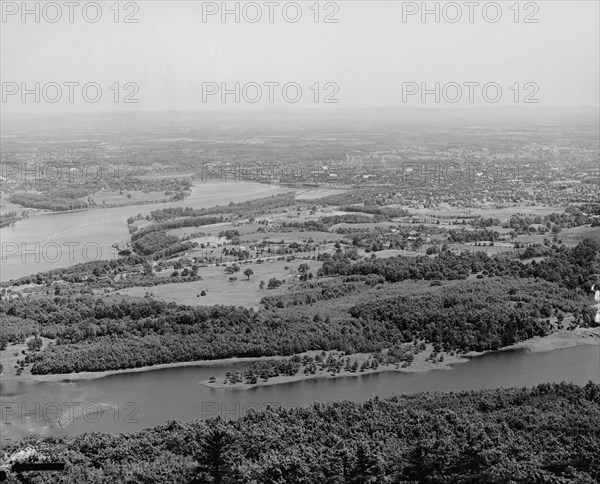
<point>571,237</point>
<point>362,225</point>
<point>486,212</point>
<point>219,290</point>
<point>531,239</point>
<point>6,206</point>
<point>212,229</point>
<point>294,236</point>
<point>497,248</point>
<point>112,197</point>
<point>14,352</point>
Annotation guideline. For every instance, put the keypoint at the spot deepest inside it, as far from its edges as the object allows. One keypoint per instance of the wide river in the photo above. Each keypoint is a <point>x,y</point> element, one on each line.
<point>54,240</point>
<point>128,402</point>
<point>131,401</point>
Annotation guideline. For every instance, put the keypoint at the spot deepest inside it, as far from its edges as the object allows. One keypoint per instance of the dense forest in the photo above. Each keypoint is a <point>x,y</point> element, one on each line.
<point>477,317</point>
<point>176,224</point>
<point>548,433</point>
<point>243,209</point>
<point>85,278</point>
<point>571,268</point>
<point>554,222</point>
<point>67,199</point>
<point>158,244</point>
<point>325,223</point>
<point>311,293</point>
<point>514,300</point>
<point>98,334</point>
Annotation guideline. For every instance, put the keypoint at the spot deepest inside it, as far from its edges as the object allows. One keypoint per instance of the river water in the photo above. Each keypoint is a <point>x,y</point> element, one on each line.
<point>55,240</point>
<point>132,401</point>
<point>128,402</point>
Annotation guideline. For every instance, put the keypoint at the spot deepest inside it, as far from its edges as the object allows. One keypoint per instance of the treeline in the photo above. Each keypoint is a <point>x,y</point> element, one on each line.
<point>534,250</point>
<point>332,363</point>
<point>176,224</point>
<point>180,333</point>
<point>272,368</point>
<point>16,330</point>
<point>132,271</point>
<point>242,209</point>
<point>555,222</point>
<point>140,280</point>
<point>80,272</point>
<point>383,212</point>
<point>178,188</point>
<point>153,242</point>
<point>462,236</point>
<point>548,433</point>
<point>590,208</point>
<point>359,197</point>
<point>353,218</point>
<point>8,217</point>
<point>84,318</point>
<point>56,201</point>
<point>310,293</point>
<point>446,266</point>
<point>472,317</point>
<point>323,224</point>
<point>570,267</point>
<point>95,334</point>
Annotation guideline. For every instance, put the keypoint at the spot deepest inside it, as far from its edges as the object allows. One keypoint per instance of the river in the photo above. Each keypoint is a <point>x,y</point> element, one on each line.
<point>54,240</point>
<point>132,401</point>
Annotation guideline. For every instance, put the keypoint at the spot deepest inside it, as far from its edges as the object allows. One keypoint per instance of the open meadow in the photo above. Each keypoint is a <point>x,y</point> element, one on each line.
<point>220,289</point>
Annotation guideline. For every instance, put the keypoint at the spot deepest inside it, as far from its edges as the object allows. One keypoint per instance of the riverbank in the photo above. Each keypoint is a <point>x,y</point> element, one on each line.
<point>420,364</point>
<point>27,376</point>
<point>558,340</point>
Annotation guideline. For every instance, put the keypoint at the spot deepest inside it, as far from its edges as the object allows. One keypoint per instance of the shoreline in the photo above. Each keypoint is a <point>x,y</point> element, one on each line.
<point>92,375</point>
<point>561,339</point>
<point>558,340</point>
<point>34,212</point>
<point>419,365</point>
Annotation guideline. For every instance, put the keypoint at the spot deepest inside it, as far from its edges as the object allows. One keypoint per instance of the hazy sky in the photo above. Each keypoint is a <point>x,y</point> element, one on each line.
<point>368,56</point>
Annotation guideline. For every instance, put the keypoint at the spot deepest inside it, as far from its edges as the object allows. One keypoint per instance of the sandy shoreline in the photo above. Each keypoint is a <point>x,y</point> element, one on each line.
<point>419,365</point>
<point>558,340</point>
<point>91,375</point>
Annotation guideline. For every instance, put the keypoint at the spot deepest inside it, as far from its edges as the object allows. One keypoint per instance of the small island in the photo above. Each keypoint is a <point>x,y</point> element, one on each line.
<point>410,357</point>
<point>416,357</point>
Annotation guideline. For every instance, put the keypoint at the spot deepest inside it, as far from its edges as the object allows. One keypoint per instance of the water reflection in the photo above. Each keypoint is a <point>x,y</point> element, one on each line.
<point>131,401</point>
